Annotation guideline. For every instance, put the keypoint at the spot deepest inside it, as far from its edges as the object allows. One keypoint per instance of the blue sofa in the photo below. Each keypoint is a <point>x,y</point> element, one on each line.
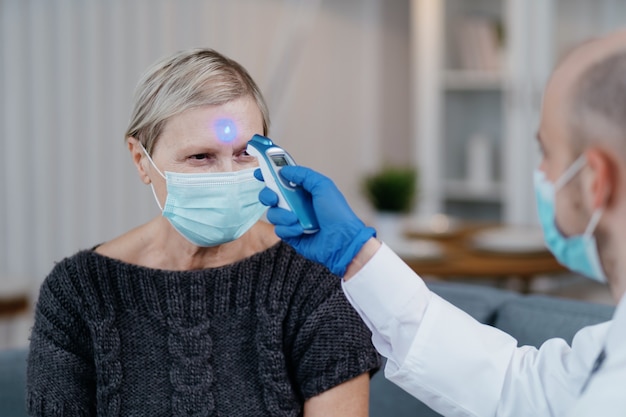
<point>13,383</point>
<point>531,319</point>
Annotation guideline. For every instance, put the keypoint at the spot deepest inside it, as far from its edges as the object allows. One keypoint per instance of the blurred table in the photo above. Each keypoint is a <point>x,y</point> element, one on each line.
<point>15,308</point>
<point>461,258</point>
<point>14,296</point>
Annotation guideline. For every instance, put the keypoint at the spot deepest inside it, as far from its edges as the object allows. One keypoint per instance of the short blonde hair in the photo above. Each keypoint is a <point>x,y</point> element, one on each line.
<point>188,79</point>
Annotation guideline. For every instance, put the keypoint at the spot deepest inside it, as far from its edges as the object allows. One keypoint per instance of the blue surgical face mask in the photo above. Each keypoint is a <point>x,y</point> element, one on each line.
<point>210,209</point>
<point>578,253</point>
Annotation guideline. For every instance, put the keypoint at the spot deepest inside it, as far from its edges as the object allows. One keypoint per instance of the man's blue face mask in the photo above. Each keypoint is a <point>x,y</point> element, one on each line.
<point>210,209</point>
<point>578,253</point>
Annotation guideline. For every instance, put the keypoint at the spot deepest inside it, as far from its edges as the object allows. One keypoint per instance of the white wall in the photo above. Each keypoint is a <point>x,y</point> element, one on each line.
<point>335,74</point>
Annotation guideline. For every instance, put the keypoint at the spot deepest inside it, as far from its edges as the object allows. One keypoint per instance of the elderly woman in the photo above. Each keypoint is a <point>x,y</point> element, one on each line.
<point>203,310</point>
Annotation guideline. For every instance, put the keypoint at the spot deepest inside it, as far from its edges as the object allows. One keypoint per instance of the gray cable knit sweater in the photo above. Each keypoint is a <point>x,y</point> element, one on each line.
<point>254,338</point>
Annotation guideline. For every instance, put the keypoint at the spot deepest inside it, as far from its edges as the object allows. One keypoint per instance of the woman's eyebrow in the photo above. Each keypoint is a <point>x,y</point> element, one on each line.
<point>199,145</point>
<point>241,147</point>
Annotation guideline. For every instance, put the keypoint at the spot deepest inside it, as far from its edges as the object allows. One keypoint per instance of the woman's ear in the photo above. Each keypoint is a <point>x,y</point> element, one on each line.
<point>604,177</point>
<point>139,158</point>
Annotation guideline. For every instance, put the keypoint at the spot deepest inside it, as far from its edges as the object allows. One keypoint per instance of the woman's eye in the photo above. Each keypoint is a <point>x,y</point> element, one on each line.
<point>244,154</point>
<point>200,156</point>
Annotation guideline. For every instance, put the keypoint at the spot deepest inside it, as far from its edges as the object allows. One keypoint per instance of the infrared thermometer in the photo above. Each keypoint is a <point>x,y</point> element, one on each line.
<point>272,158</point>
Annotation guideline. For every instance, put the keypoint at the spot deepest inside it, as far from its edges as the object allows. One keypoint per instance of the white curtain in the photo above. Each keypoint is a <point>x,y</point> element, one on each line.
<point>67,73</point>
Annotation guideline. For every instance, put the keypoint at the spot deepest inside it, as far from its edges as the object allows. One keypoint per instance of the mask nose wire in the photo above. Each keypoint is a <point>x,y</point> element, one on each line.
<point>160,173</point>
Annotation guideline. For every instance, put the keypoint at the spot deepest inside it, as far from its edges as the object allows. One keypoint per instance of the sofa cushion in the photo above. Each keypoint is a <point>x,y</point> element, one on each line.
<point>388,399</point>
<point>534,319</point>
<point>13,382</point>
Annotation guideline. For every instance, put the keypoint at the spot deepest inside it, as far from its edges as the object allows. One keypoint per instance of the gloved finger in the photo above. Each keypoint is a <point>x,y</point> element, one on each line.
<point>268,197</point>
<point>295,173</point>
<point>282,217</point>
<point>258,174</point>
<point>310,180</point>
<point>286,232</point>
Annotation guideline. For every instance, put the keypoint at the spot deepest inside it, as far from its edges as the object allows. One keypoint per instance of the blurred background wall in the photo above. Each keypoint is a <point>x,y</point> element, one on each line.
<point>334,73</point>
<point>343,80</point>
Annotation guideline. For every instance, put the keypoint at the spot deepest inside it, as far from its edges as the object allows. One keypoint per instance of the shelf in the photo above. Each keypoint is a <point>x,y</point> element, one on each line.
<point>462,190</point>
<point>463,80</point>
<point>459,92</point>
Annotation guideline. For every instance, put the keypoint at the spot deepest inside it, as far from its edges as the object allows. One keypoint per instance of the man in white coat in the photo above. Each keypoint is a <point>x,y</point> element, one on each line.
<point>444,357</point>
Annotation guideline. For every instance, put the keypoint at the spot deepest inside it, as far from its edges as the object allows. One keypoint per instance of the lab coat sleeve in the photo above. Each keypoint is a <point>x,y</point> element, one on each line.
<point>603,395</point>
<point>453,363</point>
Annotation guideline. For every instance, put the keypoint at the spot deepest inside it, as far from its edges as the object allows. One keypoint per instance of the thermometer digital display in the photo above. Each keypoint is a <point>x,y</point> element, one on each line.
<point>272,158</point>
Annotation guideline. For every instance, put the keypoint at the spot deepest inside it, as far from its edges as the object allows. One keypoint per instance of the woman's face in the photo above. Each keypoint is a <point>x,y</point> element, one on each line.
<point>205,139</point>
<point>209,138</point>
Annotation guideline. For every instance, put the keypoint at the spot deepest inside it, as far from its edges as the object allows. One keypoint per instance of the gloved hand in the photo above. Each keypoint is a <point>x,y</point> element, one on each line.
<point>341,234</point>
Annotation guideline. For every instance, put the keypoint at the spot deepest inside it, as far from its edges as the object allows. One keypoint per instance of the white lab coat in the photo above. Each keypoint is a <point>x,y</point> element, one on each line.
<point>460,367</point>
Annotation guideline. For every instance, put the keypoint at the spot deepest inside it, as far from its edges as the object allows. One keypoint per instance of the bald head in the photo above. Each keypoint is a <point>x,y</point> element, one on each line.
<point>592,82</point>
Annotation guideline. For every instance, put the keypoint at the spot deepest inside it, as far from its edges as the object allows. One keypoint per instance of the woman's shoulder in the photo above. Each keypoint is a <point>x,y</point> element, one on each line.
<point>65,284</point>
<point>76,260</point>
<point>309,275</point>
<point>287,253</point>
<point>74,269</point>
<point>306,283</point>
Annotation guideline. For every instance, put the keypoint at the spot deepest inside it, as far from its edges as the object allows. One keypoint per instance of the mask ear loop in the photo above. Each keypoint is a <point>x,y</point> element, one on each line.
<point>567,177</point>
<point>593,222</point>
<point>151,161</point>
<point>160,173</point>
<point>570,172</point>
<point>155,197</point>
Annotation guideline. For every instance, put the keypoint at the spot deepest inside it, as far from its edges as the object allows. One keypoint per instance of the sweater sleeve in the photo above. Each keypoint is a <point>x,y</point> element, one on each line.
<point>332,345</point>
<point>60,376</point>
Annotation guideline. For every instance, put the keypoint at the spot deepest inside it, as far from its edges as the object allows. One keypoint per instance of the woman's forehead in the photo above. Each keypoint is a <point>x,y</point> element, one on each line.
<point>226,123</point>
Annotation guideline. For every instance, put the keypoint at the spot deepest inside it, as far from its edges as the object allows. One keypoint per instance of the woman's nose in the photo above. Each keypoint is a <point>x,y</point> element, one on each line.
<point>225,165</point>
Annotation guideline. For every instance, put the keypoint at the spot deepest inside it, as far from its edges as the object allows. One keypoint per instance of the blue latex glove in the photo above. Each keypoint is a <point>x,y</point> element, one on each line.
<point>341,234</point>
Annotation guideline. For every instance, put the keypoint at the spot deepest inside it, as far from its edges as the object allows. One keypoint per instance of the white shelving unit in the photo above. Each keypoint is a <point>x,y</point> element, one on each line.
<point>464,191</point>
<point>453,104</point>
<point>460,80</point>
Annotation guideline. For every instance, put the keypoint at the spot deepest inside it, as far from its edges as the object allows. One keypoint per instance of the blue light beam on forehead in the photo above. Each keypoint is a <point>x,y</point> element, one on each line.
<point>226,130</point>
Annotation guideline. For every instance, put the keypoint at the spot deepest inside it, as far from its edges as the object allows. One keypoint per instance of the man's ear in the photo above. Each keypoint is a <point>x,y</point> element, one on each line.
<point>604,180</point>
<point>139,158</point>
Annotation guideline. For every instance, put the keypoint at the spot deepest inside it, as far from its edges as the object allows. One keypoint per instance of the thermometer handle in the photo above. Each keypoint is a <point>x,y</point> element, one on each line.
<point>292,197</point>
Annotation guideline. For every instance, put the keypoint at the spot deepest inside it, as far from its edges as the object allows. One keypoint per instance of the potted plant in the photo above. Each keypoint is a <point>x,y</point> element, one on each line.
<point>391,191</point>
